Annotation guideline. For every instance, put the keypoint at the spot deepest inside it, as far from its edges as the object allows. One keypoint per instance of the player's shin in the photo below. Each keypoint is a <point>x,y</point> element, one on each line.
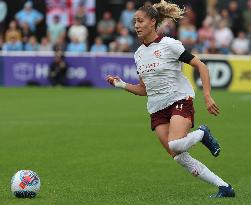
<point>196,168</point>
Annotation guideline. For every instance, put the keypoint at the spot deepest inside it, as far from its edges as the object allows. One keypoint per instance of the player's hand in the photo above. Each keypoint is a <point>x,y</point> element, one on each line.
<point>116,81</point>
<point>211,106</point>
<point>110,79</point>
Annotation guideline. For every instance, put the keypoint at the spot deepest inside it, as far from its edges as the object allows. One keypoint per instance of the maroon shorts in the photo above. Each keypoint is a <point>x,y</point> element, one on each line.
<point>183,108</point>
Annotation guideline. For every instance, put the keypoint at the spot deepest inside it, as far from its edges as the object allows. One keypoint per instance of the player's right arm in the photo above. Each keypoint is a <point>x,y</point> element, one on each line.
<point>138,89</point>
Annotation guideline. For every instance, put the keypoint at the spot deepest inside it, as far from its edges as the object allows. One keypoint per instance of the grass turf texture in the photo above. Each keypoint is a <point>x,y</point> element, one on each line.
<point>92,146</point>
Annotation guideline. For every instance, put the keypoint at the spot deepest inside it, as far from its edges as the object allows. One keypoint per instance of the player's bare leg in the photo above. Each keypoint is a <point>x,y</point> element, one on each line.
<point>180,140</point>
<point>178,129</point>
<point>165,136</point>
<point>162,131</point>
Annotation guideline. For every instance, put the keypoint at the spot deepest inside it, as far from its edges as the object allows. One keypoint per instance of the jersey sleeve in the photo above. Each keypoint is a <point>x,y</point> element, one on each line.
<point>177,48</point>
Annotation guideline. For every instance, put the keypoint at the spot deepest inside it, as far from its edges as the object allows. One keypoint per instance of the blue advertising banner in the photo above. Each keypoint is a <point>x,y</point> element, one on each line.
<point>226,72</point>
<point>123,67</point>
<point>1,70</point>
<point>83,70</point>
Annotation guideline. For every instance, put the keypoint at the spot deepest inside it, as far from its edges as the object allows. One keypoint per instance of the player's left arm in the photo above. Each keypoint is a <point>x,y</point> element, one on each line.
<point>204,75</point>
<point>189,58</point>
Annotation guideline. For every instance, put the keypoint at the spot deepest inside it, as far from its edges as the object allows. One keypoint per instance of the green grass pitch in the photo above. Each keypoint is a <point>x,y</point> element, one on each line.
<point>93,146</point>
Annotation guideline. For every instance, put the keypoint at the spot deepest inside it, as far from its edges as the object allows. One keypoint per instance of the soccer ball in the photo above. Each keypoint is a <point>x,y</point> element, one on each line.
<point>25,184</point>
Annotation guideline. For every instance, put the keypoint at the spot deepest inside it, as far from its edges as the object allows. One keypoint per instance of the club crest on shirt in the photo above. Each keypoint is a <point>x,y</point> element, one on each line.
<point>157,53</point>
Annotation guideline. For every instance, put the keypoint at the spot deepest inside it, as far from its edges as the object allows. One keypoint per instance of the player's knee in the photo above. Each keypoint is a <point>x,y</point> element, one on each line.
<point>170,151</point>
<point>166,145</point>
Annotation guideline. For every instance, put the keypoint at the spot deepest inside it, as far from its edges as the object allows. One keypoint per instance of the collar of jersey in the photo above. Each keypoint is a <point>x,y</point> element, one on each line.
<point>157,40</point>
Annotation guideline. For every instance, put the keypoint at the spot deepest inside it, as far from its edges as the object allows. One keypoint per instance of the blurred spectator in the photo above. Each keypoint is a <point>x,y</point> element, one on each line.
<point>3,13</point>
<point>247,16</point>
<point>127,15</point>
<point>86,10</point>
<point>79,31</point>
<point>168,28</point>
<point>190,14</point>
<point>213,17</point>
<point>148,3</point>
<point>187,34</point>
<point>58,70</point>
<point>213,48</point>
<point>76,46</point>
<point>1,42</point>
<point>29,15</point>
<point>60,45</point>
<point>206,32</point>
<point>81,13</point>
<point>45,45</point>
<point>214,36</point>
<point>13,31</point>
<point>32,44</point>
<point>119,26</point>
<point>123,43</point>
<point>58,8</point>
<point>26,32</point>
<point>98,46</point>
<point>56,30</point>
<point>249,37</point>
<point>240,45</point>
<point>235,16</point>
<point>225,17</point>
<point>106,27</point>
<point>13,45</point>
<point>223,37</point>
<point>202,44</point>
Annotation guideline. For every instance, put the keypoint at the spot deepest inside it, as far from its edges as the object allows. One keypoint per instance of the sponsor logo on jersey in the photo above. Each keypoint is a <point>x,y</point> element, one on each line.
<point>146,68</point>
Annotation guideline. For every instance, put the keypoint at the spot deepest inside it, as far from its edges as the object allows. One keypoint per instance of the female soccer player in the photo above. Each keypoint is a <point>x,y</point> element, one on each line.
<point>170,95</point>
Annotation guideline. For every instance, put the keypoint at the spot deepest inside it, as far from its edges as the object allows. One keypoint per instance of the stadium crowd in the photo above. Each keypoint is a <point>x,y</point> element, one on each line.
<point>223,31</point>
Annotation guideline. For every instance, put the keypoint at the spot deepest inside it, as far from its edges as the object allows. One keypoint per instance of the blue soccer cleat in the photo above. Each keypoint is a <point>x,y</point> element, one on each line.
<point>224,191</point>
<point>209,141</point>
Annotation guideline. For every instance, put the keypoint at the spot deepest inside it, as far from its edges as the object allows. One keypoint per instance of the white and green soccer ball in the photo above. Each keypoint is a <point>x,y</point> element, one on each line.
<point>25,184</point>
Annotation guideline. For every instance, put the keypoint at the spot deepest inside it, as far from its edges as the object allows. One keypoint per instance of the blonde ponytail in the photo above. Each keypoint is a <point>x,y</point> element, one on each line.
<point>168,10</point>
